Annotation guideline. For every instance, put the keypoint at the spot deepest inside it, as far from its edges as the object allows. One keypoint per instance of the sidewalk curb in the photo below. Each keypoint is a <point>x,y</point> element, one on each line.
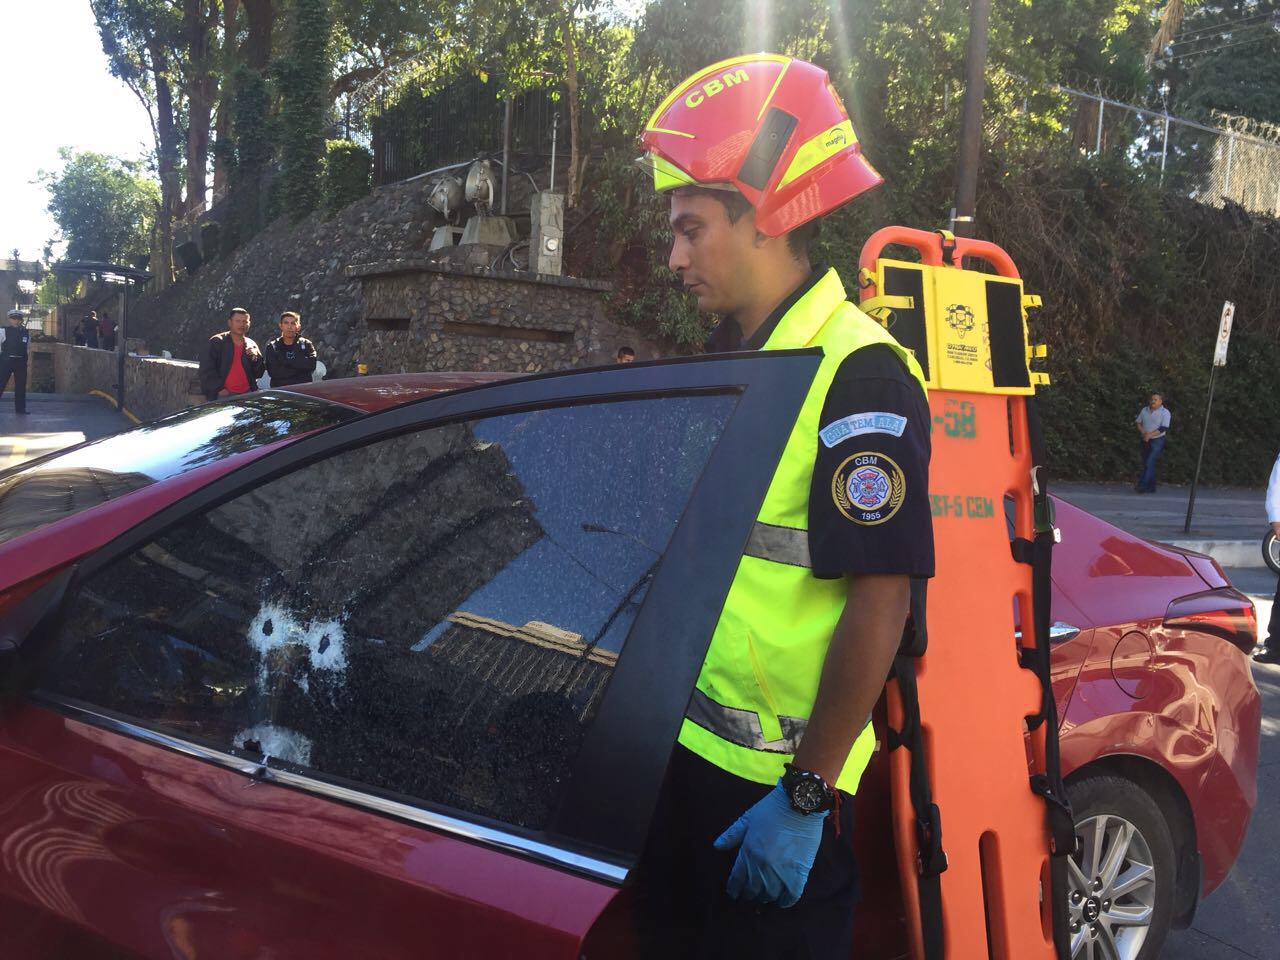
<point>1228,553</point>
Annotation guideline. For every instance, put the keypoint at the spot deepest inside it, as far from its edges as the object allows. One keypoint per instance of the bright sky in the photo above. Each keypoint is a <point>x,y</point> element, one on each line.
<point>59,92</point>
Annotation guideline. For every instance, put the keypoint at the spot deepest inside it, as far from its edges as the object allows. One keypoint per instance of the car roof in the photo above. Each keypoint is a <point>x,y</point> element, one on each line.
<point>388,389</point>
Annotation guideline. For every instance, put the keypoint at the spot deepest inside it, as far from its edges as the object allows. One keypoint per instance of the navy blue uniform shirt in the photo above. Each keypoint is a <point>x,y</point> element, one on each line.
<point>869,498</point>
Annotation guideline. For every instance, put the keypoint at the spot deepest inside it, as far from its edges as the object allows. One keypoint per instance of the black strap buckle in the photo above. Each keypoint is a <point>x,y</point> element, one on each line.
<point>932,859</point>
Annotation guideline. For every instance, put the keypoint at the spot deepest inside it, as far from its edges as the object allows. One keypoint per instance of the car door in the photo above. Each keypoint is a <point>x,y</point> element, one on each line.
<point>406,687</point>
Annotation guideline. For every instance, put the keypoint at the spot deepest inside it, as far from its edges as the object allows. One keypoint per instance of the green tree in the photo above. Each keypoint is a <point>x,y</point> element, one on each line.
<point>104,206</point>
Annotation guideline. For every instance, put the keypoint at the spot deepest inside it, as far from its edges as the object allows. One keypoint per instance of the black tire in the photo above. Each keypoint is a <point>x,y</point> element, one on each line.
<point>1109,811</point>
<point>1271,551</point>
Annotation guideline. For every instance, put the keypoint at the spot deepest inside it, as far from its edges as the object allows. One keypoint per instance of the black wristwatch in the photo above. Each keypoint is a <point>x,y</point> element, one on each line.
<point>808,792</point>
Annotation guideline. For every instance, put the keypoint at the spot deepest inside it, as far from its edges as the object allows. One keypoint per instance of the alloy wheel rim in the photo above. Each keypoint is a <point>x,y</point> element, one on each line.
<point>1111,890</point>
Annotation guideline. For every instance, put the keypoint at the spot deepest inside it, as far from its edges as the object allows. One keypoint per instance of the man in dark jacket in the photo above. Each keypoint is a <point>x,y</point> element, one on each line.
<point>13,359</point>
<point>290,358</point>
<point>89,327</point>
<point>107,331</point>
<point>232,363</point>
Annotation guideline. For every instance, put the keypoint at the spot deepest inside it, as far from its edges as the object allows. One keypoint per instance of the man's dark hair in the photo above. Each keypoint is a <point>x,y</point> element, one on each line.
<point>235,310</point>
<point>736,205</point>
<point>292,313</point>
<point>626,351</point>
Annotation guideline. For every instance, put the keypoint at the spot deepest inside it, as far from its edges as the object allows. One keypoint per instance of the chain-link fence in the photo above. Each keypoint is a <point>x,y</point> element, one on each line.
<point>1237,159</point>
<point>422,132</point>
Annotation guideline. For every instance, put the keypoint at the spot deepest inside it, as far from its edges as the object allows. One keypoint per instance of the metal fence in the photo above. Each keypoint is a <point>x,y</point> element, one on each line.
<point>1237,159</point>
<point>463,120</point>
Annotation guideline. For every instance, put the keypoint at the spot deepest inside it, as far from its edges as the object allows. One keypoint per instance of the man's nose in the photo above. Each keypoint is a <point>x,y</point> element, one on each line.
<point>678,260</point>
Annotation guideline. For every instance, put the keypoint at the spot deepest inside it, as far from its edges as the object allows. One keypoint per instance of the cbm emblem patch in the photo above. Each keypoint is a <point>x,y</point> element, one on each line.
<point>868,488</point>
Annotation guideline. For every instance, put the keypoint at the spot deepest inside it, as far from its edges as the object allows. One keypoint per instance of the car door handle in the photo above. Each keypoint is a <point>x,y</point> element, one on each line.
<point>1060,632</point>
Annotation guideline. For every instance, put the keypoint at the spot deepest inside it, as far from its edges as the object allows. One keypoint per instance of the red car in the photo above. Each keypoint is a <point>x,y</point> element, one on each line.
<point>391,667</point>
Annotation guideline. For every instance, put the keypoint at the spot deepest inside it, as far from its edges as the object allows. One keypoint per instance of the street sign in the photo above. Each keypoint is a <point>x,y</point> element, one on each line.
<point>1224,334</point>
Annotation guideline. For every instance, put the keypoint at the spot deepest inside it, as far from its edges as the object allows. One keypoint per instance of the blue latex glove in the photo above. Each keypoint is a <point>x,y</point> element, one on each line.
<point>777,844</point>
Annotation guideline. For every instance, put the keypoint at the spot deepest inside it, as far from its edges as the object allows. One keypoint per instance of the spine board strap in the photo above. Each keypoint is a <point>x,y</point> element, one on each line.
<point>1046,784</point>
<point>932,858</point>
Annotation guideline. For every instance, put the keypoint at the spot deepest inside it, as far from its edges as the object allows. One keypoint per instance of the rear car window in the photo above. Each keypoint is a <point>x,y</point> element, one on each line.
<point>64,484</point>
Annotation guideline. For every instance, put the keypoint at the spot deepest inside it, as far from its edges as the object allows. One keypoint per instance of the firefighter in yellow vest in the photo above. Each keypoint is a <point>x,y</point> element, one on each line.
<point>751,851</point>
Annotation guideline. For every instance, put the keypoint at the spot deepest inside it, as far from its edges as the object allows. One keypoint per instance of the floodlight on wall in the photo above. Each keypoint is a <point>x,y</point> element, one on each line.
<point>481,188</point>
<point>446,197</point>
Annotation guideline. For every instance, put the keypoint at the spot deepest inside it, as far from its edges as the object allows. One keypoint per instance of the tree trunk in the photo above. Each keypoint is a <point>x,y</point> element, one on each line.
<point>201,89</point>
<point>166,161</point>
<point>571,85</point>
<point>261,16</point>
<point>222,123</point>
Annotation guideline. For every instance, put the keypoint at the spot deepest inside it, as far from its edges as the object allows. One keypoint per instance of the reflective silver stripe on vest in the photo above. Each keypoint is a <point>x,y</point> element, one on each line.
<point>779,544</point>
<point>743,726</point>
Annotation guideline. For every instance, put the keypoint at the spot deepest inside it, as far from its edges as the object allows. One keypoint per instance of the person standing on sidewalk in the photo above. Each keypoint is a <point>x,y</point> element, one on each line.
<point>290,357</point>
<point>1269,650</point>
<point>13,360</point>
<point>232,363</point>
<point>1152,422</point>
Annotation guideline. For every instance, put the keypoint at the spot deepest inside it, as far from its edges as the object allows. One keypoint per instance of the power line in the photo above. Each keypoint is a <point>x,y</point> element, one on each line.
<point>1220,47</point>
<point>1223,27</point>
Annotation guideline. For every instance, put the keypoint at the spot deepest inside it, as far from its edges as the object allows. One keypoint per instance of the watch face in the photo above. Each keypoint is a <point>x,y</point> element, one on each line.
<point>808,795</point>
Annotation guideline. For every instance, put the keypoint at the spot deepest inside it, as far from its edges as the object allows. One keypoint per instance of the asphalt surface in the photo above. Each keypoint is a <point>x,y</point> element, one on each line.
<point>54,421</point>
<point>1239,920</point>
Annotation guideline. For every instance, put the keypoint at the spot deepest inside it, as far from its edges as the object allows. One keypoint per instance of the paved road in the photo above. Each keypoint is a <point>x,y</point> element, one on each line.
<point>54,421</point>
<point>1241,919</point>
<point>1221,513</point>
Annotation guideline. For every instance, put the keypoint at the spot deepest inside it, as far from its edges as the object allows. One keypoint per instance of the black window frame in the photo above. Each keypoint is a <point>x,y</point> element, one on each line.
<point>600,827</point>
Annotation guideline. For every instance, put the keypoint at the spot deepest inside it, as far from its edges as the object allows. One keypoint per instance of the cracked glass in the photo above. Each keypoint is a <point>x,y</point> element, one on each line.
<point>434,616</point>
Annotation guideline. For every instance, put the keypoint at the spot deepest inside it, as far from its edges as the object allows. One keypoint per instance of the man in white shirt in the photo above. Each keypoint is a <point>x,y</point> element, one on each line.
<point>1269,650</point>
<point>1152,421</point>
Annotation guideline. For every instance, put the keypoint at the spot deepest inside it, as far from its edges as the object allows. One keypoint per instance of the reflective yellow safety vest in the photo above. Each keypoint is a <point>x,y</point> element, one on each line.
<point>759,680</point>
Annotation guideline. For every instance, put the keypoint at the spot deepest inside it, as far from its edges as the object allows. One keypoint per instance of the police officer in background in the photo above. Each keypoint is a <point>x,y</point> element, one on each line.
<point>750,854</point>
<point>13,359</point>
<point>290,357</point>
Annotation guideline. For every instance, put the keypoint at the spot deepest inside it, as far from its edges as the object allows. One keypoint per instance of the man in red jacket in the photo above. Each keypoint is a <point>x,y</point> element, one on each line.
<point>232,363</point>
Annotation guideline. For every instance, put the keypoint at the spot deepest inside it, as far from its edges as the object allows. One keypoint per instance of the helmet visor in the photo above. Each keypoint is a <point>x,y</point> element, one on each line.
<point>667,176</point>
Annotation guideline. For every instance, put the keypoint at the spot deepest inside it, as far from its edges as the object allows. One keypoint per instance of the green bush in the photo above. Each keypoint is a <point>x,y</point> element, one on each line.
<point>348,169</point>
<point>1090,408</point>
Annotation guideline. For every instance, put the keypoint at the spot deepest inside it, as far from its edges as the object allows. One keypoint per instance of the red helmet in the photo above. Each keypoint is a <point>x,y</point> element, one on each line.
<point>769,126</point>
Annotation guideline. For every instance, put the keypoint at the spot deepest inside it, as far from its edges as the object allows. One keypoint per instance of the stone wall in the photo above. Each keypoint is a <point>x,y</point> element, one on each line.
<point>429,316</point>
<point>304,267</point>
<point>153,386</point>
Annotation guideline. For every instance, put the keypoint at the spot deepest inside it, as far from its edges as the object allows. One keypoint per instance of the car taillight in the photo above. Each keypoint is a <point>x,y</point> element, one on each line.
<point>1225,613</point>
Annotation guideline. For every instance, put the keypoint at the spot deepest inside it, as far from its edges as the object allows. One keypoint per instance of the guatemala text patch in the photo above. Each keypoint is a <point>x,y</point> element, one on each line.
<point>868,488</point>
<point>857,424</point>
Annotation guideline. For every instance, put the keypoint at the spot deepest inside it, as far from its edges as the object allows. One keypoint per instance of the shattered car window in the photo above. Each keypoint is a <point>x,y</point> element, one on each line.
<point>435,615</point>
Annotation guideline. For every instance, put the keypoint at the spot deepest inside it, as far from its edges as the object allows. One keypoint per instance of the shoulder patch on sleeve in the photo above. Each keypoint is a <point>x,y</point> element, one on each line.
<point>868,488</point>
<point>858,424</point>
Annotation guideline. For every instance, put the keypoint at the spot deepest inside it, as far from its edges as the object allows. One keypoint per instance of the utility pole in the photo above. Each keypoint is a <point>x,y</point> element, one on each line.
<point>975,65</point>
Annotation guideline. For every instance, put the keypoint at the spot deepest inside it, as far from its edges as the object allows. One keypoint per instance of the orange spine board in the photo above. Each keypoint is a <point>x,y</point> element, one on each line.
<point>973,692</point>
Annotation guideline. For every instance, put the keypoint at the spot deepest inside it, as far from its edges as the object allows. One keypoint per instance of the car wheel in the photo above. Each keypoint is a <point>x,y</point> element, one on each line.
<point>1121,880</point>
<point>1271,551</point>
